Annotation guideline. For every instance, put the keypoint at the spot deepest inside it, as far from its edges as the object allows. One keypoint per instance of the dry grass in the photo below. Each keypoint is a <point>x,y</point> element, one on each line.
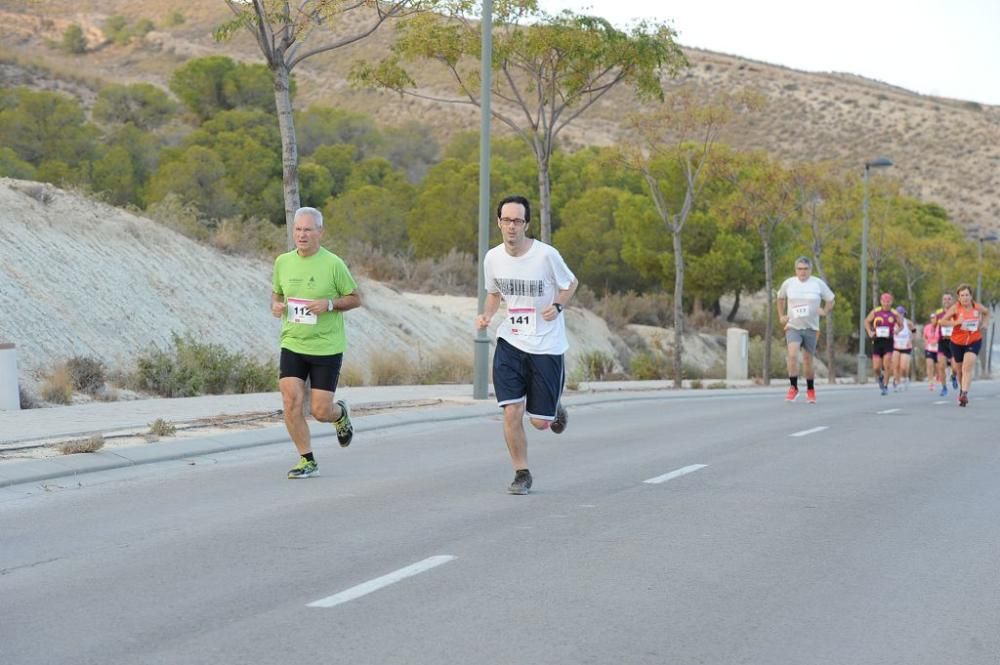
<point>444,365</point>
<point>351,375</point>
<point>390,369</point>
<point>437,366</point>
<point>161,427</point>
<point>90,445</point>
<point>58,386</point>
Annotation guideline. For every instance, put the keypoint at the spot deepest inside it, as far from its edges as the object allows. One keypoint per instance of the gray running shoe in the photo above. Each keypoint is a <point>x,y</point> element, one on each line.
<point>559,424</point>
<point>304,469</point>
<point>345,430</point>
<point>522,482</point>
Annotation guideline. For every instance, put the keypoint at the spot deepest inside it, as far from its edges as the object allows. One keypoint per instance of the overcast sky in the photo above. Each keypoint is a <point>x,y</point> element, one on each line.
<point>938,47</point>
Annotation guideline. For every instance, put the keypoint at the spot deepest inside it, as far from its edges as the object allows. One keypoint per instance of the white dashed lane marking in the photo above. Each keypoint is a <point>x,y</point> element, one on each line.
<point>807,432</point>
<point>675,474</point>
<point>379,582</point>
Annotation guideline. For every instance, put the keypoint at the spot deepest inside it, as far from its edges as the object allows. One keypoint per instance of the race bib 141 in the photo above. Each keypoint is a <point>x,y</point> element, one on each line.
<point>522,320</point>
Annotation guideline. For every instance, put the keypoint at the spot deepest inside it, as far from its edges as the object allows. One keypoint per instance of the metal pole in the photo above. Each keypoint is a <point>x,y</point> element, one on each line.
<point>481,360</point>
<point>863,296</point>
<point>979,275</point>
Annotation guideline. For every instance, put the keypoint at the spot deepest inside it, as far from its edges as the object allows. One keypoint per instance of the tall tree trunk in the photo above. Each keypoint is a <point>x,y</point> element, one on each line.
<point>678,309</point>
<point>735,308</point>
<point>545,199</point>
<point>769,329</point>
<point>289,146</point>
<point>830,368</point>
<point>909,296</point>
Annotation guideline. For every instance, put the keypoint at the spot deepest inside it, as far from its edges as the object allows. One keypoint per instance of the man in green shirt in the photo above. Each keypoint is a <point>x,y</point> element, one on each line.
<point>311,290</point>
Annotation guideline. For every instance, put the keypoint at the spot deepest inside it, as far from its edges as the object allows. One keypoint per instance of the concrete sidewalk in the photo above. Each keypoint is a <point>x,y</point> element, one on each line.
<point>432,404</point>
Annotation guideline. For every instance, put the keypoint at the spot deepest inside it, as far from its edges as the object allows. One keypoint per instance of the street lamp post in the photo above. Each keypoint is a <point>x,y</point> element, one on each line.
<point>481,345</point>
<point>879,163</point>
<point>984,358</point>
<point>989,237</point>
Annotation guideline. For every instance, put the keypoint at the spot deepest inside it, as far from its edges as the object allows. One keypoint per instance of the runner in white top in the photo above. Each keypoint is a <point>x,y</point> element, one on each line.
<point>902,351</point>
<point>800,301</point>
<point>528,368</point>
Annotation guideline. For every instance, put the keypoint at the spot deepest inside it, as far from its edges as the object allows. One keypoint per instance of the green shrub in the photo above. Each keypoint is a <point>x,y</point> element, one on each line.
<point>73,40</point>
<point>647,366</point>
<point>596,365</point>
<point>191,368</point>
<point>174,18</point>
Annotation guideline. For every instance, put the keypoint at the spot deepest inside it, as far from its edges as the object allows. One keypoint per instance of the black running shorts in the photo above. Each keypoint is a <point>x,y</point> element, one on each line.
<point>323,372</point>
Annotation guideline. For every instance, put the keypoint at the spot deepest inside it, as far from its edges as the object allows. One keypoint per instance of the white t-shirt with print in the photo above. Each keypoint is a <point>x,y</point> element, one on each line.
<point>804,301</point>
<point>528,284</point>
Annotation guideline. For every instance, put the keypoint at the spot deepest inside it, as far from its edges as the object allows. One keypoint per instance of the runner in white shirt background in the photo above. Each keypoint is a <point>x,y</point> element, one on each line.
<point>902,351</point>
<point>528,368</point>
<point>802,299</point>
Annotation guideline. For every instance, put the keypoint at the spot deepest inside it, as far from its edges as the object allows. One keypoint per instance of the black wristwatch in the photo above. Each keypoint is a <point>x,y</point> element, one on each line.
<point>558,306</point>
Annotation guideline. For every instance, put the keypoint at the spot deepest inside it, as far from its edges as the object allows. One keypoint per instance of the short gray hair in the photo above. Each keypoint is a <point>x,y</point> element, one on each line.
<point>805,260</point>
<point>315,214</point>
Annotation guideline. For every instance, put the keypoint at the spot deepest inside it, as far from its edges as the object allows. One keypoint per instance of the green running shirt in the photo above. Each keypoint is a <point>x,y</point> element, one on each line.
<point>324,275</point>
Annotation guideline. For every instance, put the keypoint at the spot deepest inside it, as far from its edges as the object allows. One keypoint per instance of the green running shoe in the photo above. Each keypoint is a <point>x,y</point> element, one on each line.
<point>304,469</point>
<point>345,430</point>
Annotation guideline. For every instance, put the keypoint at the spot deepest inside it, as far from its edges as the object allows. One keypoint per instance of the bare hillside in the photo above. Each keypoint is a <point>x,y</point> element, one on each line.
<point>80,278</point>
<point>945,150</point>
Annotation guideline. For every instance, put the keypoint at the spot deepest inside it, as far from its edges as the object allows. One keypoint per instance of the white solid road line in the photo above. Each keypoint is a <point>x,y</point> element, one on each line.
<point>882,413</point>
<point>943,401</point>
<point>810,431</point>
<point>384,581</point>
<point>675,474</point>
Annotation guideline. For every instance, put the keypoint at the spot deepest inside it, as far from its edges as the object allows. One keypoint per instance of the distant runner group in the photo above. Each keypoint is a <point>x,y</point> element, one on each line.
<point>312,288</point>
<point>952,338</point>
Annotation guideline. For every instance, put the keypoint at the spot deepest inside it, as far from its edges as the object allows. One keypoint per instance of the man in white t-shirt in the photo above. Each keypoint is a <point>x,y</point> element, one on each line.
<point>801,301</point>
<point>528,369</point>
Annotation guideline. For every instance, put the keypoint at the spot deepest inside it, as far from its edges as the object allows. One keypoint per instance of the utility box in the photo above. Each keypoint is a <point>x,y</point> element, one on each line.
<point>737,354</point>
<point>10,396</point>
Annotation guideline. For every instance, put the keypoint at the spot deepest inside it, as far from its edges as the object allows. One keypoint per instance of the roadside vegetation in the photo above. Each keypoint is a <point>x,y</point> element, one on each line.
<point>204,158</point>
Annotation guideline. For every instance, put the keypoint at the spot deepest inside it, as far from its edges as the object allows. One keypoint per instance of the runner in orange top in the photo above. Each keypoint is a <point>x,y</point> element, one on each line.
<point>968,318</point>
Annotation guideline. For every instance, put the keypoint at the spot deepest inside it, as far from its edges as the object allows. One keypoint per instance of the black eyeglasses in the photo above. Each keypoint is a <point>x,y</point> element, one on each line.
<point>516,221</point>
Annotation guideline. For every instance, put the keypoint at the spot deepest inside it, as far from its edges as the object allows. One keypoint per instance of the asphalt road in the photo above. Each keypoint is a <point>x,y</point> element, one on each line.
<point>712,527</point>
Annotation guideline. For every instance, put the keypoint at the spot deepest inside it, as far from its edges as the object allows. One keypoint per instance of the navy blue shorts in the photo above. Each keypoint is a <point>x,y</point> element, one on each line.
<point>323,372</point>
<point>958,351</point>
<point>944,348</point>
<point>535,379</point>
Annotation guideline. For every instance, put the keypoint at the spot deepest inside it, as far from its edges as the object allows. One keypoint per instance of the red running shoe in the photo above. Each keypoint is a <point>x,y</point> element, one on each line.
<point>811,395</point>
<point>793,392</point>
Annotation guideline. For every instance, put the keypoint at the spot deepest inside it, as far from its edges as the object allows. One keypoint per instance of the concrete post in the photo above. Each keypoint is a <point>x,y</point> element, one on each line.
<point>737,354</point>
<point>10,397</point>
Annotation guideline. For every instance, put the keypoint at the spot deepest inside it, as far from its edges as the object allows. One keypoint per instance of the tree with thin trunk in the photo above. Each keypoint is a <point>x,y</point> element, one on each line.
<point>763,199</point>
<point>828,205</point>
<point>547,70</point>
<point>675,138</point>
<point>288,33</point>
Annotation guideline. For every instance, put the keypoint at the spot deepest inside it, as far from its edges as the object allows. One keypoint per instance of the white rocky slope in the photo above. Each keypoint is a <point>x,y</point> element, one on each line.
<point>80,278</point>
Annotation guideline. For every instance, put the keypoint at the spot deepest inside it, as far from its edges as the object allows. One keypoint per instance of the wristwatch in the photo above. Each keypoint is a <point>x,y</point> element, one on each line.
<point>558,306</point>
<point>329,305</point>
